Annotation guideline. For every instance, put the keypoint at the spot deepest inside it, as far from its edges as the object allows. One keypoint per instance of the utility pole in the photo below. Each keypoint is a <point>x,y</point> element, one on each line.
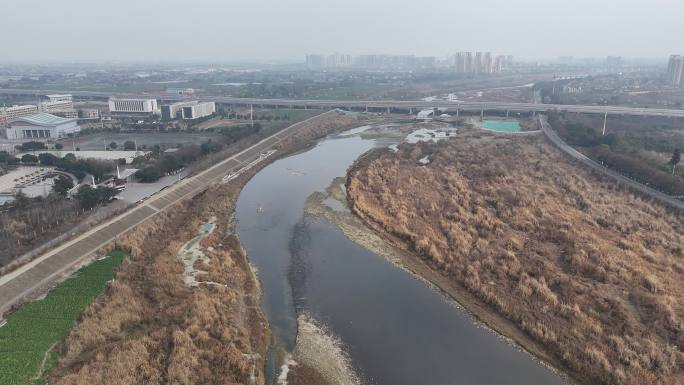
<point>251,114</point>
<point>605,120</point>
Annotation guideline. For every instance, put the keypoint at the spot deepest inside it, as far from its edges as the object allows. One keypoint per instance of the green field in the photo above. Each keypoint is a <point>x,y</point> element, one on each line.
<point>30,333</point>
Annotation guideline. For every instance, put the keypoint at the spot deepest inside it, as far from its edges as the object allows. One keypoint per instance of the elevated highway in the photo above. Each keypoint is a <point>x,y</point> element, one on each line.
<point>384,105</point>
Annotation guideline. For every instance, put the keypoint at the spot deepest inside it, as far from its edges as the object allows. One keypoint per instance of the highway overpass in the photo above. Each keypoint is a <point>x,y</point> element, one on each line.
<point>373,105</point>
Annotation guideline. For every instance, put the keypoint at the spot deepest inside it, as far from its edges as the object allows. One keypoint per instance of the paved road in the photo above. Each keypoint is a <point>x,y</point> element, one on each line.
<point>21,282</point>
<point>560,143</point>
<point>378,104</point>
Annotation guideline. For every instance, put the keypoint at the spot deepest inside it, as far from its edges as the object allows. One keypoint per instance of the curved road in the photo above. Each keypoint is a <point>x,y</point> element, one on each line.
<point>655,194</point>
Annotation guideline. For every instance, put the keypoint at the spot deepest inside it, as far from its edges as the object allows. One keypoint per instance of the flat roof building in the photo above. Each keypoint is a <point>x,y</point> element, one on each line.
<point>7,114</point>
<point>187,110</point>
<point>133,107</point>
<point>58,103</point>
<point>198,110</point>
<point>41,126</point>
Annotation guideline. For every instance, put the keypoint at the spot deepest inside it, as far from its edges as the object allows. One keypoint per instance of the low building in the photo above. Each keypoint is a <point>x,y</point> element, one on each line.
<point>187,110</point>
<point>56,103</point>
<point>89,113</point>
<point>133,107</point>
<point>198,110</point>
<point>174,110</point>
<point>7,114</point>
<point>41,126</point>
<point>181,91</point>
<point>426,114</point>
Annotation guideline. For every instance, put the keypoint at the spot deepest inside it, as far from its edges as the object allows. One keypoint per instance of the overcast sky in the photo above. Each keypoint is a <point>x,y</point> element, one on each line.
<point>238,30</point>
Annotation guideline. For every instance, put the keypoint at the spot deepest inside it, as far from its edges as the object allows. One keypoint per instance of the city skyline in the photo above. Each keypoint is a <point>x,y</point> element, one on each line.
<point>268,31</point>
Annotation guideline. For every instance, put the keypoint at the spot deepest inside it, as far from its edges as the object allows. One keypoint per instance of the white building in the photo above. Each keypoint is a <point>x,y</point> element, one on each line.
<point>55,103</point>
<point>198,110</point>
<point>41,126</point>
<point>7,114</point>
<point>187,110</point>
<point>181,91</point>
<point>174,110</point>
<point>133,106</point>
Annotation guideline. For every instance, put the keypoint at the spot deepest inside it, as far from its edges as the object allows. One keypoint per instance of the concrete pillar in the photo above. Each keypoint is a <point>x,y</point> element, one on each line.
<point>388,110</point>
<point>366,109</point>
<point>458,110</point>
<point>482,113</point>
<point>507,113</point>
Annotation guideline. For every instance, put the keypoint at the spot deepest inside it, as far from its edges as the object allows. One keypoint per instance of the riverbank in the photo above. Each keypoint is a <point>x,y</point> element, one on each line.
<point>354,228</point>
<point>165,321</point>
<point>493,216</point>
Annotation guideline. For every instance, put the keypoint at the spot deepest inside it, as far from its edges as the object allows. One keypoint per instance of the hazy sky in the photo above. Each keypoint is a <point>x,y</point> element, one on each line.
<point>231,30</point>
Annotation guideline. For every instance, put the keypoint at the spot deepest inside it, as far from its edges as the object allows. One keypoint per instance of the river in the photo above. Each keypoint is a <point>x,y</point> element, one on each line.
<point>394,328</point>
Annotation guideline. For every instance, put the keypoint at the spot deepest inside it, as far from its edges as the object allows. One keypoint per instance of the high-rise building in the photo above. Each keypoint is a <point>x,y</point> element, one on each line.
<point>468,62</point>
<point>487,63</point>
<point>464,62</point>
<point>314,61</point>
<point>478,65</point>
<point>338,60</point>
<point>675,71</point>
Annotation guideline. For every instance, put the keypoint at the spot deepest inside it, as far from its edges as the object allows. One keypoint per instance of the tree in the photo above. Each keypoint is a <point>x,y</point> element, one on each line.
<point>47,159</point>
<point>31,146</point>
<point>6,157</point>
<point>59,146</point>
<point>676,158</point>
<point>149,174</point>
<point>62,185</point>
<point>129,145</point>
<point>87,196</point>
<point>29,158</point>
<point>113,145</point>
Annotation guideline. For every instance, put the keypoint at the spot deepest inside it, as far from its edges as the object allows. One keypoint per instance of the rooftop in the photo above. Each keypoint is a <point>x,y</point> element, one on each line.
<point>43,119</point>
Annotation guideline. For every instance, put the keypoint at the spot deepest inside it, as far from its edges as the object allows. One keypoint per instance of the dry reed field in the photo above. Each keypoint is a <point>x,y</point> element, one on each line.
<point>590,274</point>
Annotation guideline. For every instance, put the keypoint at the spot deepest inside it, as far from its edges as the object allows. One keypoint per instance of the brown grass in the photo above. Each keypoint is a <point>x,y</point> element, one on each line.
<point>593,274</point>
<point>150,328</point>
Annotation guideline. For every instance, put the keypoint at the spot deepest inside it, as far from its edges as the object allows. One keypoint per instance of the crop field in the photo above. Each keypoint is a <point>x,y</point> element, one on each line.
<point>27,339</point>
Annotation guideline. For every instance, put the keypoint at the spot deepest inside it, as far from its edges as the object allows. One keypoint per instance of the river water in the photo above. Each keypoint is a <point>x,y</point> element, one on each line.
<point>394,329</point>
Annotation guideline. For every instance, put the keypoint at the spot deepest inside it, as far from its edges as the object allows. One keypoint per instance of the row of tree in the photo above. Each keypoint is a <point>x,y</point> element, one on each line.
<point>618,154</point>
